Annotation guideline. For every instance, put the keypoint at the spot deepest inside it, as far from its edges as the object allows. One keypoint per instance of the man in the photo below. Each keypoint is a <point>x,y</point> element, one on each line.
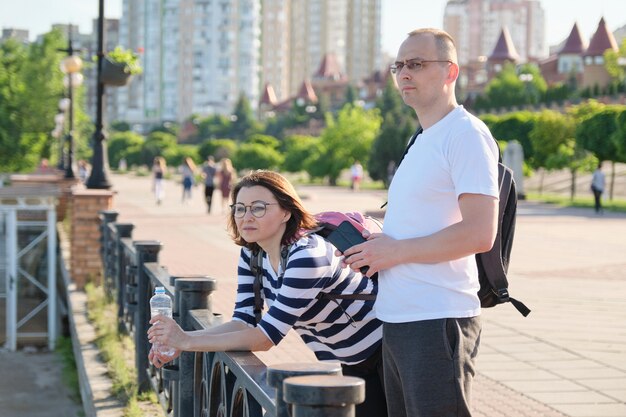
<point>597,187</point>
<point>208,173</point>
<point>442,209</point>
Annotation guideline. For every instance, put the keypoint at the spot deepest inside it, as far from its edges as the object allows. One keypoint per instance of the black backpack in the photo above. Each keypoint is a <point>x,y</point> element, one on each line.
<point>494,264</point>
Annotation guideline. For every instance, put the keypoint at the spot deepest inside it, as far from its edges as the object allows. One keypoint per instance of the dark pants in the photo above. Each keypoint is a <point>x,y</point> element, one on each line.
<point>371,370</point>
<point>597,195</point>
<point>429,366</point>
<point>208,195</point>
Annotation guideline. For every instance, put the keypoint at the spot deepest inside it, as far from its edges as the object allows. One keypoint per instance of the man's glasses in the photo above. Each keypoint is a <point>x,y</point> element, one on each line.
<point>413,64</point>
<point>257,209</point>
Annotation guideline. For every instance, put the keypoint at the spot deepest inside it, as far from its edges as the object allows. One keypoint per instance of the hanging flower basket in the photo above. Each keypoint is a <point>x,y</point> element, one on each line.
<point>115,74</point>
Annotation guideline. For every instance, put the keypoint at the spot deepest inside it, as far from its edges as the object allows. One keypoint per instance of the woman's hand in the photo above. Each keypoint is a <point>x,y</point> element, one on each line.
<point>158,360</point>
<point>166,331</point>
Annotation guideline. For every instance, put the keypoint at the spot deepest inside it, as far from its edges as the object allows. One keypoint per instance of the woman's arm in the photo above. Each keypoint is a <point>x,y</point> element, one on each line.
<point>233,335</point>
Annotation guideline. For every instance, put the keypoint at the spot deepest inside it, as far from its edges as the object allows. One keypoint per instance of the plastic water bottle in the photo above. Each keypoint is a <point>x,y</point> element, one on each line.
<point>161,303</point>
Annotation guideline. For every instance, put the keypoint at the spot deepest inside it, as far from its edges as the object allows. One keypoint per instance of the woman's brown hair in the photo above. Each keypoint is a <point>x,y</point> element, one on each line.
<point>288,200</point>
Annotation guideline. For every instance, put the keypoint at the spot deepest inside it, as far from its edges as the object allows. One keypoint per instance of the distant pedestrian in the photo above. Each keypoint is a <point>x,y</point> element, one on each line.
<point>227,176</point>
<point>597,187</point>
<point>44,167</point>
<point>209,169</point>
<point>83,170</point>
<point>356,175</point>
<point>159,167</point>
<point>188,171</point>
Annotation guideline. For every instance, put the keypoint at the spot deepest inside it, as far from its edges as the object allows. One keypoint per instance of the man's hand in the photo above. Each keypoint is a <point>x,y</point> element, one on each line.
<point>377,253</point>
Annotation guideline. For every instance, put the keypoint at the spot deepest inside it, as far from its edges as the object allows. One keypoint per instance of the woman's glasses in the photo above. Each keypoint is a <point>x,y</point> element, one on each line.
<point>257,209</point>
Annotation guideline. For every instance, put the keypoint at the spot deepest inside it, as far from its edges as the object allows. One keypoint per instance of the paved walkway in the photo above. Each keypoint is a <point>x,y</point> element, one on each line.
<point>568,358</point>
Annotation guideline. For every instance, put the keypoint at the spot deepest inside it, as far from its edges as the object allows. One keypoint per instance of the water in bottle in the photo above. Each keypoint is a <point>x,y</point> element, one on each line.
<point>161,303</point>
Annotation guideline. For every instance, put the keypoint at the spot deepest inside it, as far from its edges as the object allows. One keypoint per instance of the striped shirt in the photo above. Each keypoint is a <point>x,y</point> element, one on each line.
<point>336,330</point>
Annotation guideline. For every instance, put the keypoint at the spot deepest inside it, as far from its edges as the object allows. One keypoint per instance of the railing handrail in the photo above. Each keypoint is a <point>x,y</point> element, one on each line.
<point>231,383</point>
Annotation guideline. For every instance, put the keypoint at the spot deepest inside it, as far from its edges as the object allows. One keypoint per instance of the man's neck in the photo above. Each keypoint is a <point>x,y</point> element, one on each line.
<point>430,116</point>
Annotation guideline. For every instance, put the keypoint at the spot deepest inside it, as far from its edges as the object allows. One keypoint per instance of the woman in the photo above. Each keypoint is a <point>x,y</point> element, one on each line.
<point>268,215</point>
<point>158,172</point>
<point>188,172</point>
<point>227,178</point>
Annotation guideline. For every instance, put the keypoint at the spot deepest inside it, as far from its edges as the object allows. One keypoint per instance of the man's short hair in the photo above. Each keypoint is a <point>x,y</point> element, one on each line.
<point>443,41</point>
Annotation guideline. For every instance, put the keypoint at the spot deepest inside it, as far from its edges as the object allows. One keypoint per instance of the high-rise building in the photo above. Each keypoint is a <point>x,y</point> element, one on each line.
<point>477,24</point>
<point>348,29</point>
<point>198,56</point>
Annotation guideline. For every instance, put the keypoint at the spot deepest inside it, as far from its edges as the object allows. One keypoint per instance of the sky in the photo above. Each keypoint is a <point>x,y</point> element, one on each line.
<point>398,16</point>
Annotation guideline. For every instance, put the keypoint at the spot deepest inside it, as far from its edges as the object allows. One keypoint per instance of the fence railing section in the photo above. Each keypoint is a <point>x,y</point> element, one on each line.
<point>225,384</point>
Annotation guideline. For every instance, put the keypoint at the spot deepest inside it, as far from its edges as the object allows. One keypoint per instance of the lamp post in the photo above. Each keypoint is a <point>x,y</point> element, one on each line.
<point>57,133</point>
<point>527,80</point>
<point>99,161</point>
<point>71,65</point>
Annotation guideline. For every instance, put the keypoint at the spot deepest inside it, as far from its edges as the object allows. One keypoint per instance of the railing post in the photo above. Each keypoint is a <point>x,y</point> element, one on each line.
<point>147,251</point>
<point>323,395</point>
<point>124,231</point>
<point>276,374</point>
<point>106,245</point>
<point>192,293</point>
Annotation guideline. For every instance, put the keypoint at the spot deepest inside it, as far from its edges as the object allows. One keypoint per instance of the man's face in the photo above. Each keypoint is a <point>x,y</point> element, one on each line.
<point>420,85</point>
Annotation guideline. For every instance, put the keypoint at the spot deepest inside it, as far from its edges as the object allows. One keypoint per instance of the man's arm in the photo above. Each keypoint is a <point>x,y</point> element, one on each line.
<point>475,233</point>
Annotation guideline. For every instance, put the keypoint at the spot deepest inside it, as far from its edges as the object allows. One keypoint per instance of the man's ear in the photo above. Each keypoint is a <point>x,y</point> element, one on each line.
<point>453,72</point>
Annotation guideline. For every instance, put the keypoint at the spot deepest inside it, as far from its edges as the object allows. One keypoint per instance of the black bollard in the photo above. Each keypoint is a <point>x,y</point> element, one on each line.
<point>192,293</point>
<point>147,251</point>
<point>276,374</point>
<point>124,231</point>
<point>324,395</point>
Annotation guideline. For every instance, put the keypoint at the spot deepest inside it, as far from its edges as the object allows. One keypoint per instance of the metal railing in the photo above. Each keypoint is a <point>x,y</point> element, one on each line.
<point>224,384</point>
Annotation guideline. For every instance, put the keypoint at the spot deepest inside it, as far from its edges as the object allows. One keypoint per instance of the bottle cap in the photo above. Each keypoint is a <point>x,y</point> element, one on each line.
<point>159,290</point>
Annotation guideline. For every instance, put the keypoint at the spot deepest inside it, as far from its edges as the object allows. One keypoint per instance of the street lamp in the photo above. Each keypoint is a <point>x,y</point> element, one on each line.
<point>527,80</point>
<point>71,66</point>
<point>57,133</point>
<point>99,161</point>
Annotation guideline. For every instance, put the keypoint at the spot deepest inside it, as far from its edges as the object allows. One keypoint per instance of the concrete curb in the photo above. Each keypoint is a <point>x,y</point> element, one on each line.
<point>95,385</point>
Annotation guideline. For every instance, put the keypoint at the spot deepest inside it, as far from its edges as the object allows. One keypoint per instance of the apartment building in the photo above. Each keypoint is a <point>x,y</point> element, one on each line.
<point>198,57</point>
<point>477,24</point>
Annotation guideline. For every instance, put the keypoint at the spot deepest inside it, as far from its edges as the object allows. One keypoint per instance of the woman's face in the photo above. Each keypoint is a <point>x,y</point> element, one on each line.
<point>262,226</point>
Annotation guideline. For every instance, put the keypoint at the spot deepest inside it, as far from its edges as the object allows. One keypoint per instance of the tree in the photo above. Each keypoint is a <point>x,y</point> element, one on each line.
<point>243,121</point>
<point>596,133</point>
<point>514,126</point>
<point>515,87</point>
<point>158,144</point>
<point>347,137</point>
<point>125,145</point>
<point>298,151</point>
<point>256,156</point>
<point>396,129</point>
<point>30,89</point>
<point>552,138</point>
<point>612,61</point>
<point>219,148</point>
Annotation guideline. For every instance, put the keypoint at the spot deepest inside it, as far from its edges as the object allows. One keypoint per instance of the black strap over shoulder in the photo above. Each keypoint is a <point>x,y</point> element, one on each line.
<point>256,266</point>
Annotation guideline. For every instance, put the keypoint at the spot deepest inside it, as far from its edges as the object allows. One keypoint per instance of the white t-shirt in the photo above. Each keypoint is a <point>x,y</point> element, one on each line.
<point>456,155</point>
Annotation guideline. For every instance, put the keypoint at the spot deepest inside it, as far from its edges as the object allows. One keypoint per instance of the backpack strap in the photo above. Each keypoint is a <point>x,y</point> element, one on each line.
<point>406,150</point>
<point>492,259</point>
<point>332,296</point>
<point>256,266</point>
